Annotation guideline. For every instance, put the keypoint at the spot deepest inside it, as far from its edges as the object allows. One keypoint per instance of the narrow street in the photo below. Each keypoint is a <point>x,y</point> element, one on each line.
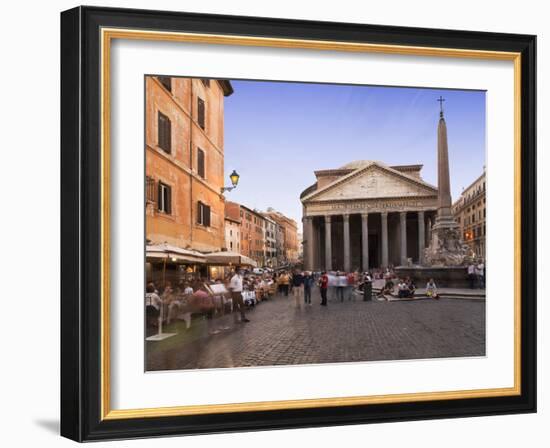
<point>281,334</point>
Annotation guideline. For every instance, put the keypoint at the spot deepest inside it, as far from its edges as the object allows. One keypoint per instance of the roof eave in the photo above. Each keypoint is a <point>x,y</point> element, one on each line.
<point>226,86</point>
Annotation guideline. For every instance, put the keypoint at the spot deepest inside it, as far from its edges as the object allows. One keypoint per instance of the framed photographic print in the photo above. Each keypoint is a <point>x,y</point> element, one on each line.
<point>273,223</point>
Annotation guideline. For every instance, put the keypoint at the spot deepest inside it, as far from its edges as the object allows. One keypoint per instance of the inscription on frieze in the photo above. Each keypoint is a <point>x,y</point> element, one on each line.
<point>371,206</point>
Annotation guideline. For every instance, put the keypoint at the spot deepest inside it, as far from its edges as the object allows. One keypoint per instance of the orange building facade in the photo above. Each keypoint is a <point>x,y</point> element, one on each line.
<point>184,149</point>
<point>233,227</point>
<point>290,229</point>
<point>252,234</point>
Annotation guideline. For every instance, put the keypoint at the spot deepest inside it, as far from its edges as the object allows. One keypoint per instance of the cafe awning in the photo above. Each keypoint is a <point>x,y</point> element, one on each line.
<point>226,258</point>
<point>176,254</point>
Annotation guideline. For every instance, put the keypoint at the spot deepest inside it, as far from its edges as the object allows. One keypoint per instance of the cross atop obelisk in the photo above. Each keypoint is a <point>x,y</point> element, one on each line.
<point>441,99</point>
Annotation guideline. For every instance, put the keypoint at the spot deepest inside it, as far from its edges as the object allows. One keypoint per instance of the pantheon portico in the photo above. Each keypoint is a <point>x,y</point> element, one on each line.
<point>366,215</point>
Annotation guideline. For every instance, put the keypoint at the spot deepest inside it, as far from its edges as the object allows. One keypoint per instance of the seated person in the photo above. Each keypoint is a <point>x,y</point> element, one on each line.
<point>412,287</point>
<point>431,289</point>
<point>387,288</point>
<point>402,290</point>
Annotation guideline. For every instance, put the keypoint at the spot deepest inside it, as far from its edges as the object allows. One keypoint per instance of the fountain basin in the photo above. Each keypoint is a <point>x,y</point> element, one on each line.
<point>444,276</point>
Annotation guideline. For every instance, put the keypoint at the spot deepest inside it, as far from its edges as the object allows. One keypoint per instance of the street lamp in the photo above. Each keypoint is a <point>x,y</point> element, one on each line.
<point>234,176</point>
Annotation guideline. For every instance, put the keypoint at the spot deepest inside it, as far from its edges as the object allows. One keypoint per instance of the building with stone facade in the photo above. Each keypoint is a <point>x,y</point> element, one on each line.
<point>232,227</point>
<point>260,237</point>
<point>290,230</point>
<point>246,231</point>
<point>280,244</point>
<point>184,146</point>
<point>252,234</point>
<point>270,242</point>
<point>366,215</point>
<point>470,214</point>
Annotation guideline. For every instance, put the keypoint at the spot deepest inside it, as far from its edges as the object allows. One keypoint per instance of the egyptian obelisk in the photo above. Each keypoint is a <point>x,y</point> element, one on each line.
<point>446,246</point>
<point>444,217</point>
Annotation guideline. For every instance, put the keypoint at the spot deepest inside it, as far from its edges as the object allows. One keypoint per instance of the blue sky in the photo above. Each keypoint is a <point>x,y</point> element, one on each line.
<point>277,134</point>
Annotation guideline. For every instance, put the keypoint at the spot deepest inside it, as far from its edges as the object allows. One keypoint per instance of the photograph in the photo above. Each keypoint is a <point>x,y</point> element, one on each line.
<point>295,223</point>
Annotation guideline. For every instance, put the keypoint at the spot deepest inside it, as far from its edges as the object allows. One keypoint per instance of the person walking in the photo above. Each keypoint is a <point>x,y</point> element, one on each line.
<point>341,284</point>
<point>236,288</point>
<point>480,272</point>
<point>472,275</point>
<point>351,281</point>
<point>284,280</point>
<point>298,288</point>
<point>308,284</point>
<point>323,287</point>
<point>167,296</point>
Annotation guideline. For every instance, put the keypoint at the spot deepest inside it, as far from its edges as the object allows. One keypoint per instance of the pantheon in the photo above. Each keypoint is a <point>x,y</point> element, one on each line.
<point>366,215</point>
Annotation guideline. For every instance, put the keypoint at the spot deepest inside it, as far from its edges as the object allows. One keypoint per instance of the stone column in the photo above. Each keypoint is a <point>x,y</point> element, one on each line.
<point>308,247</point>
<point>403,231</point>
<point>318,244</point>
<point>384,225</point>
<point>365,240</point>
<point>429,231</point>
<point>421,237</point>
<point>347,253</point>
<point>328,243</point>
<point>313,239</point>
<point>313,245</point>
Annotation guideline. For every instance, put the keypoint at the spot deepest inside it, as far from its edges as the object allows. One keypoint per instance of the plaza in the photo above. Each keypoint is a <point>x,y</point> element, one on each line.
<point>351,331</point>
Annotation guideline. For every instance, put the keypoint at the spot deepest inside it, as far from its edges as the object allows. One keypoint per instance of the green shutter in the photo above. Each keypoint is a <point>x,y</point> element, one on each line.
<point>207,215</point>
<point>159,193</point>
<point>168,125</point>
<point>168,200</point>
<point>164,132</point>
<point>201,113</point>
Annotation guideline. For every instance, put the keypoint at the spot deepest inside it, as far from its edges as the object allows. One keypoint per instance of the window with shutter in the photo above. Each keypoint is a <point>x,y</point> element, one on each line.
<point>164,201</point>
<point>201,113</point>
<point>203,214</point>
<point>164,133</point>
<point>200,163</point>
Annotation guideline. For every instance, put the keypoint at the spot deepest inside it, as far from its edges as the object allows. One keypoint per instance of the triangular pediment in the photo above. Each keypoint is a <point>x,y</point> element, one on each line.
<point>373,181</point>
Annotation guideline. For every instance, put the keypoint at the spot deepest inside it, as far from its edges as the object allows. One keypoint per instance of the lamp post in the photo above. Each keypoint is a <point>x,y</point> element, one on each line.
<point>234,177</point>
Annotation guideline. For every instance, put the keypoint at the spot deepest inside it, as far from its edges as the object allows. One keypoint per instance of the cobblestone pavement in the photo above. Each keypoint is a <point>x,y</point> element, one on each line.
<point>281,334</point>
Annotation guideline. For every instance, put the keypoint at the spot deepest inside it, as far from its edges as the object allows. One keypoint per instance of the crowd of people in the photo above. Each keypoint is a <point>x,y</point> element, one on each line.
<point>205,299</point>
<point>403,287</point>
<point>476,275</point>
<point>242,290</point>
<point>333,285</point>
